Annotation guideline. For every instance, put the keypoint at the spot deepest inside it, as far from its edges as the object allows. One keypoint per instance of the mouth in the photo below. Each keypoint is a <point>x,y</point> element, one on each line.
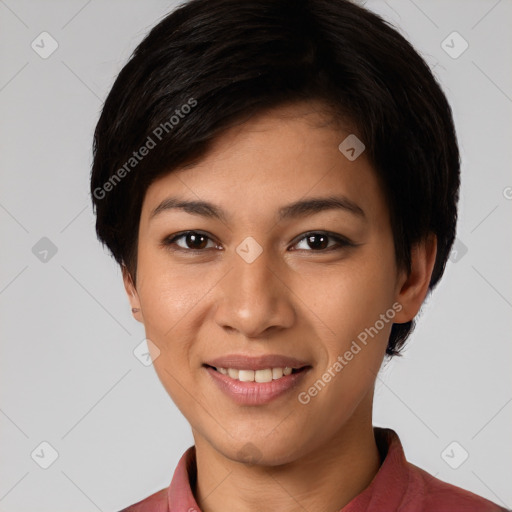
<point>250,380</point>
<point>261,376</point>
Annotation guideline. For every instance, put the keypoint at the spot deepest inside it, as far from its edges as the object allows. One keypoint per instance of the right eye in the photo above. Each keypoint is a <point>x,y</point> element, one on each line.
<point>190,241</point>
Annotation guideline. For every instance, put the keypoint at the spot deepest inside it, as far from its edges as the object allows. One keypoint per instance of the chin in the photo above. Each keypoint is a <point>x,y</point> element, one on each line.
<point>259,451</point>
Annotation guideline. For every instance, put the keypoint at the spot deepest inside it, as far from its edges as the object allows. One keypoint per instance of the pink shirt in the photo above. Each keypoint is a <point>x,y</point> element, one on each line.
<point>398,486</point>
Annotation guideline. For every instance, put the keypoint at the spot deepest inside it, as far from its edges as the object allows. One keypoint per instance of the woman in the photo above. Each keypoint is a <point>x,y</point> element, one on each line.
<point>278,180</point>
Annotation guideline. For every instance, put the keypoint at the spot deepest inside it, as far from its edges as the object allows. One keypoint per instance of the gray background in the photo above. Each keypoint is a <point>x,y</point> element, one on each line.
<point>68,375</point>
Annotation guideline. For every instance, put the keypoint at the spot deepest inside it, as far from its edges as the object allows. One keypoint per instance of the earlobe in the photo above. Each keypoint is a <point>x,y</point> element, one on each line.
<point>132,294</point>
<point>414,287</point>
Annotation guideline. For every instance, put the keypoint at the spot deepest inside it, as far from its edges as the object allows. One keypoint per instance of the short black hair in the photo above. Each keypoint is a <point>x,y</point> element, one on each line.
<point>212,63</point>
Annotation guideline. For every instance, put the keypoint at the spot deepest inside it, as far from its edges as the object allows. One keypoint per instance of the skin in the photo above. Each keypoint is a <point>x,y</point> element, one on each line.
<point>293,299</point>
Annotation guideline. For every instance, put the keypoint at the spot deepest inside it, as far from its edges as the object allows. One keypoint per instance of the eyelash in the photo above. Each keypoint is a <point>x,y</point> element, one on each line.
<point>341,241</point>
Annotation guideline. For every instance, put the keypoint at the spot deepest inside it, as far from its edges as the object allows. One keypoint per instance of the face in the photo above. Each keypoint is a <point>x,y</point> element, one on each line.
<point>256,277</point>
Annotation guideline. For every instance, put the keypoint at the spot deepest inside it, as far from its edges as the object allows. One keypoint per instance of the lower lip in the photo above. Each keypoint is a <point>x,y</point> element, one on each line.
<point>255,393</point>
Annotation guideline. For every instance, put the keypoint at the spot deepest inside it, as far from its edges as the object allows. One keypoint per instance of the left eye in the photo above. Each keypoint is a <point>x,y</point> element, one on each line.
<point>319,241</point>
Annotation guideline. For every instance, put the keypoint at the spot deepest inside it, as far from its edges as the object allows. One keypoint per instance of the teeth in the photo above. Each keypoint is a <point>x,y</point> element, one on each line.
<point>233,373</point>
<point>266,375</point>
<point>263,375</point>
<point>277,373</point>
<point>246,375</point>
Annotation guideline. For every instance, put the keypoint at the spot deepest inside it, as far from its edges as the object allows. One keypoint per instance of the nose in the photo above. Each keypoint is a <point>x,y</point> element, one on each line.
<point>254,297</point>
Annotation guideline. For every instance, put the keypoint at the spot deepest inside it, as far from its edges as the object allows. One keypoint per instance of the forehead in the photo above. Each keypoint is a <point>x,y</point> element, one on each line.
<point>276,157</point>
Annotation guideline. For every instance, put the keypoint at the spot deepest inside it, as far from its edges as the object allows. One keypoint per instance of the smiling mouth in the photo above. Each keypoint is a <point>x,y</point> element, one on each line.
<point>259,376</point>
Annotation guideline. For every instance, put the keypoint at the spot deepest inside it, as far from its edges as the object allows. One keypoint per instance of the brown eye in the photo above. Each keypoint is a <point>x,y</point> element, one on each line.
<point>320,241</point>
<point>196,241</point>
<point>190,240</point>
<point>317,241</point>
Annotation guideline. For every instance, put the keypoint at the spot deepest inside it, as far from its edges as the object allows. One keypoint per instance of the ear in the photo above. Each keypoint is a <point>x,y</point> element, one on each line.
<point>412,288</point>
<point>131,291</point>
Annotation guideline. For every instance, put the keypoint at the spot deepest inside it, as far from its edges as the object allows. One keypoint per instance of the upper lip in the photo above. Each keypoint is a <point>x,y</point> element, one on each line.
<point>262,362</point>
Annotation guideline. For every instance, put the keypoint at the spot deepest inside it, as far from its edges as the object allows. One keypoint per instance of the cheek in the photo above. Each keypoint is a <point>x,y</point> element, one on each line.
<point>355,342</point>
<point>169,298</point>
<point>351,296</point>
<point>353,301</point>
<point>168,292</point>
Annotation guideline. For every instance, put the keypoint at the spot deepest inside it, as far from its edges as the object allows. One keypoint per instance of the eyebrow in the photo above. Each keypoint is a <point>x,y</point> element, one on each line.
<point>296,209</point>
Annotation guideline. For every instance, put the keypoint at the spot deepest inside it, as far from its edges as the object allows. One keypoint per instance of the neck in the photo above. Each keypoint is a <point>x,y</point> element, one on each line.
<point>324,480</point>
